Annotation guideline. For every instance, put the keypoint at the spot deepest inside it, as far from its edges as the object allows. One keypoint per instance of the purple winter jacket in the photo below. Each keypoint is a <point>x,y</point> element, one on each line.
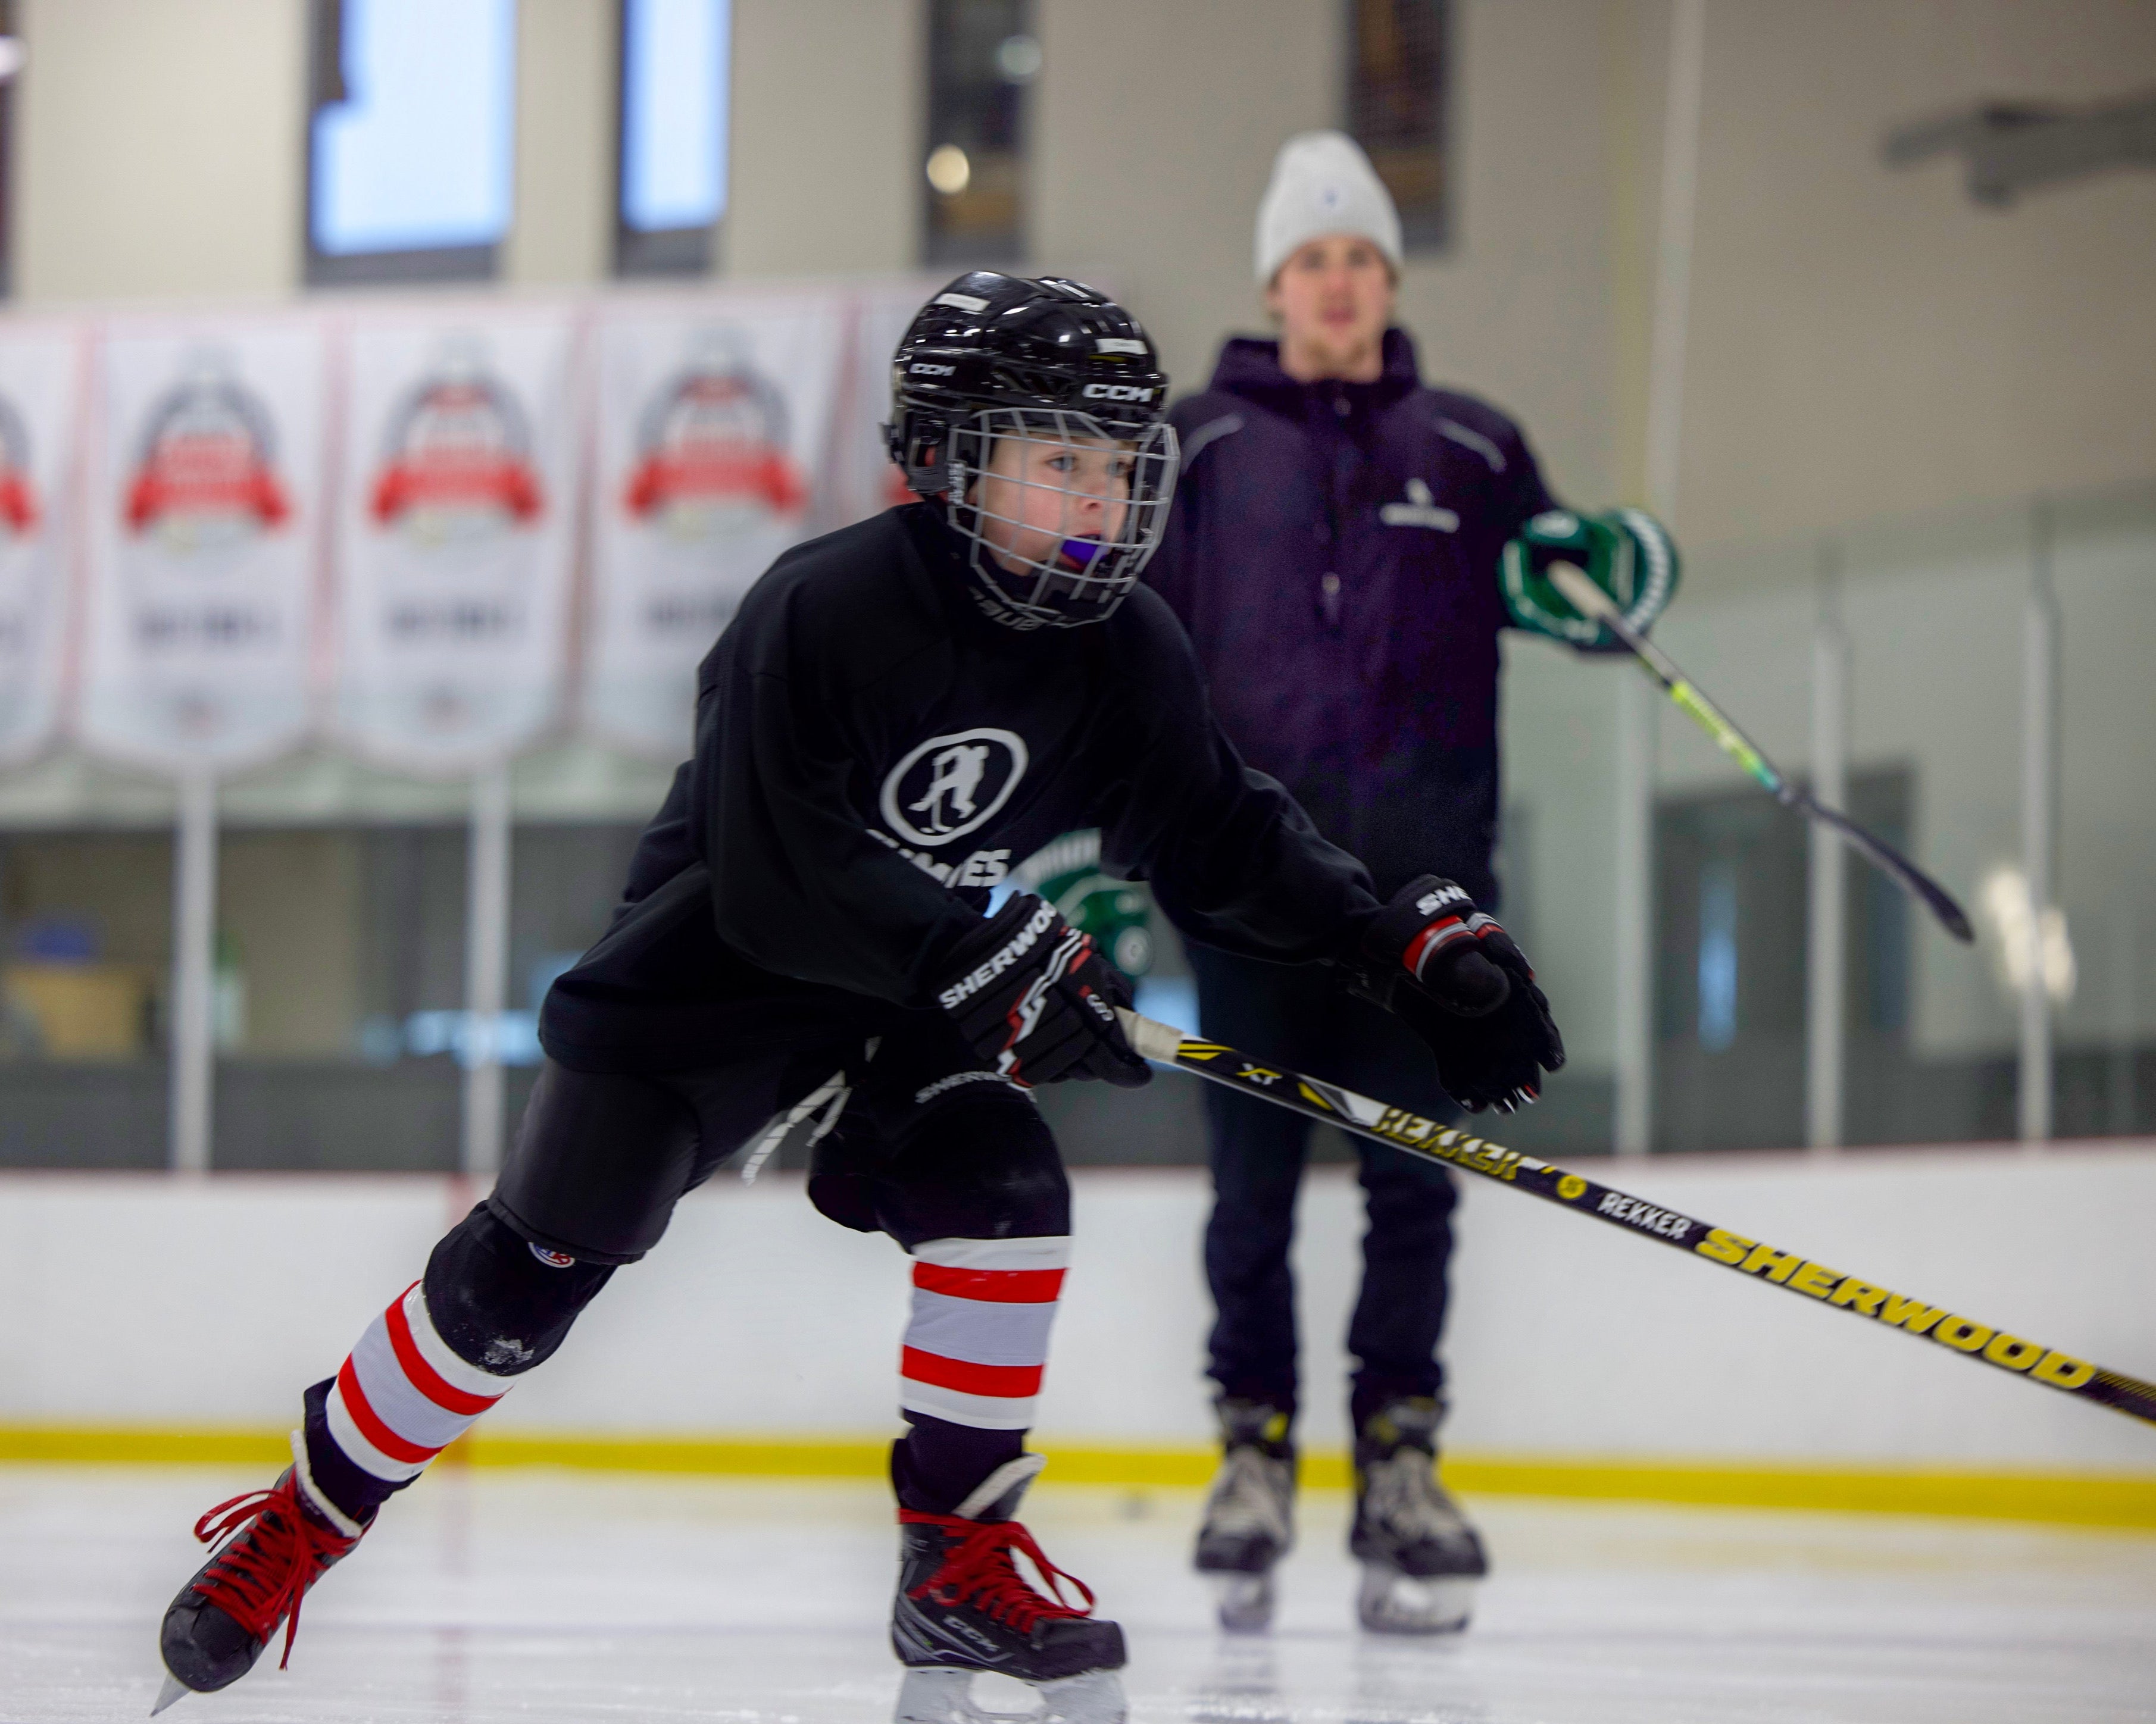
<point>1333,553</point>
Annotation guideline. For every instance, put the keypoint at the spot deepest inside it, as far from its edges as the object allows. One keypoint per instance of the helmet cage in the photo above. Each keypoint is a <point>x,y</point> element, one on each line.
<point>1078,577</point>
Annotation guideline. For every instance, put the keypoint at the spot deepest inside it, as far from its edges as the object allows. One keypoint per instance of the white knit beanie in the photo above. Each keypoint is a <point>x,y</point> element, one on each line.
<point>1323,183</point>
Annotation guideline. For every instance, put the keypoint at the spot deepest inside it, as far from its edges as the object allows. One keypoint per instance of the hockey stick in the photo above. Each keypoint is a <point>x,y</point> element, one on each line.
<point>1590,600</point>
<point>1790,1269</point>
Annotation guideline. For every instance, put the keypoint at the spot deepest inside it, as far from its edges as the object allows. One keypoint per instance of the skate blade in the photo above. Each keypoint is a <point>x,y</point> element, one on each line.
<point>1392,1602</point>
<point>946,1696</point>
<point>174,1689</point>
<point>1244,1601</point>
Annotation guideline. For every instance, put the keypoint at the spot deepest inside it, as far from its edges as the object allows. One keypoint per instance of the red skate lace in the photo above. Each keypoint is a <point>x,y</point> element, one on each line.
<point>977,1568</point>
<point>258,1580</point>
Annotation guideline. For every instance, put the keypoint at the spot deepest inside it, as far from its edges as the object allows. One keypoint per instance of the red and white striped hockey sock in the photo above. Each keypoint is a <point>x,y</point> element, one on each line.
<point>978,1338</point>
<point>404,1396</point>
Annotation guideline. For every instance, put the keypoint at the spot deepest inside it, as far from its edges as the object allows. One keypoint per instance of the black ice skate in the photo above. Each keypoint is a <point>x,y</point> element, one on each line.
<point>1250,1516</point>
<point>278,1543</point>
<point>1420,1558</point>
<point>963,1608</point>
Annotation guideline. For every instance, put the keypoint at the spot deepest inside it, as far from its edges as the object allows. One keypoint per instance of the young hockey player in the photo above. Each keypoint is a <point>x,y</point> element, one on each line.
<point>1344,546</point>
<point>899,710</point>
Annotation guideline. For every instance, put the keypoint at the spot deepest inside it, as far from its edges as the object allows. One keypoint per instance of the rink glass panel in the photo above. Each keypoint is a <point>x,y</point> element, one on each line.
<point>1729,986</point>
<point>338,991</point>
<point>85,963</point>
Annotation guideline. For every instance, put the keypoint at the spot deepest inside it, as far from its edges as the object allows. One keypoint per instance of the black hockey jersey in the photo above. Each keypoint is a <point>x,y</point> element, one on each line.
<point>872,756</point>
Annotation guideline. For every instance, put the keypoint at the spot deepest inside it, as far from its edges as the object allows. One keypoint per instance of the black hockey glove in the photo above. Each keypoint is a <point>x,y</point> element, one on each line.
<point>1457,979</point>
<point>1038,1001</point>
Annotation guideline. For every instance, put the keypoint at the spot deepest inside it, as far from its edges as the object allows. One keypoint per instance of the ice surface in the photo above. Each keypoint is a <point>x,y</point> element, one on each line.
<point>538,1598</point>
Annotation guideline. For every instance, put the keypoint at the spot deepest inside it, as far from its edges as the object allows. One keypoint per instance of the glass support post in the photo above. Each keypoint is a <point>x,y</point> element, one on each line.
<point>486,967</point>
<point>193,1043</point>
<point>2039,750</point>
<point>1637,710</point>
<point>1826,929</point>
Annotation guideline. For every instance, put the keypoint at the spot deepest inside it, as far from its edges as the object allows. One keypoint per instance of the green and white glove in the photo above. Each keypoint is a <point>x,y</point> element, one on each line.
<point>1117,913</point>
<point>1624,551</point>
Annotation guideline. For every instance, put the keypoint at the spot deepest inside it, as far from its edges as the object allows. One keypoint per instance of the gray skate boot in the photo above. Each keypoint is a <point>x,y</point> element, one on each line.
<point>1420,1558</point>
<point>1250,1517</point>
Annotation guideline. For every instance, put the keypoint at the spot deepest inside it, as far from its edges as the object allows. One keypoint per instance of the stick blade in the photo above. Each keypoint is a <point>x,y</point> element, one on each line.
<point>1935,897</point>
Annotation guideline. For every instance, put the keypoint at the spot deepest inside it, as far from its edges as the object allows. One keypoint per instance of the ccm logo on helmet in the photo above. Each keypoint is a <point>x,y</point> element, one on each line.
<point>1117,391</point>
<point>919,370</point>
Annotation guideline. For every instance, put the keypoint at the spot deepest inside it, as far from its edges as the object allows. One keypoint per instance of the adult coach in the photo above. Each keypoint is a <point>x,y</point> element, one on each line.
<point>1345,545</point>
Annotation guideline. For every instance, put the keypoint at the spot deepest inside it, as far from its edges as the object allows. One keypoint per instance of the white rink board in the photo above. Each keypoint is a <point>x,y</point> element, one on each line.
<point>137,1300</point>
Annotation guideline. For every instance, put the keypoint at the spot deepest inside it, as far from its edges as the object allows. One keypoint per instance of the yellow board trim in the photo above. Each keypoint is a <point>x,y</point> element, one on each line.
<point>2116,1500</point>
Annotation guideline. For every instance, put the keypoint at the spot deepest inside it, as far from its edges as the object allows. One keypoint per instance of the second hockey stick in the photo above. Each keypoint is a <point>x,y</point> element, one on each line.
<point>1590,600</point>
<point>1789,1270</point>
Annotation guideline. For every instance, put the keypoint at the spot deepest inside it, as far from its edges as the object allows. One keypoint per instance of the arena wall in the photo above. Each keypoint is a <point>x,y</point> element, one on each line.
<point>182,1318</point>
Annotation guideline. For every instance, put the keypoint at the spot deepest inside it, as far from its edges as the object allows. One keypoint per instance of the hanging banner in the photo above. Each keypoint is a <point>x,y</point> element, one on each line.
<point>868,480</point>
<point>456,540</point>
<point>714,434</point>
<point>40,373</point>
<point>203,524</point>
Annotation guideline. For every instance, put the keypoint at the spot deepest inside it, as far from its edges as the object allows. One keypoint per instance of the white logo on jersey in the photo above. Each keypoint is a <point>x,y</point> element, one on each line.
<point>1421,508</point>
<point>950,786</point>
<point>958,773</point>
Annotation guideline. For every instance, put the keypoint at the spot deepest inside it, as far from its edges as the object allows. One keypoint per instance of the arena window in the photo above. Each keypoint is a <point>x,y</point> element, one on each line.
<point>11,63</point>
<point>984,57</point>
<point>1398,54</point>
<point>670,193</point>
<point>410,146</point>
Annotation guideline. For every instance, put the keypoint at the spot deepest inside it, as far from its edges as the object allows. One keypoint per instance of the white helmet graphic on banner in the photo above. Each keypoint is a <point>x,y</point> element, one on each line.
<point>454,536</point>
<point>38,371</point>
<point>203,534</point>
<point>710,430</point>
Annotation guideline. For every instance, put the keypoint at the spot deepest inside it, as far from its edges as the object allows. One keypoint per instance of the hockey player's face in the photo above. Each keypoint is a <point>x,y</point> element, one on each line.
<point>1334,298</point>
<point>1041,495</point>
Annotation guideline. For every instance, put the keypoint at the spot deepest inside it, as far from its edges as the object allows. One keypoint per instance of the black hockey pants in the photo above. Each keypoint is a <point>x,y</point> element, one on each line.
<point>928,1147</point>
<point>1298,1016</point>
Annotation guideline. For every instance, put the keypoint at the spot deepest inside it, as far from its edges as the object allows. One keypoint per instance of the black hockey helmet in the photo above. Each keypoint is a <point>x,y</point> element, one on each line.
<point>998,358</point>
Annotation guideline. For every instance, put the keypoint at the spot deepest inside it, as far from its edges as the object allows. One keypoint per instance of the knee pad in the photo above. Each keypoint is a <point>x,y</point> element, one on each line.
<point>981,1165</point>
<point>843,1167</point>
<point>500,1302</point>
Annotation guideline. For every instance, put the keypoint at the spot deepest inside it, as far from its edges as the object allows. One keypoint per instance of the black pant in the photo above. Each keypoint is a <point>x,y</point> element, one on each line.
<point>920,1150</point>
<point>1299,1017</point>
<point>929,1145</point>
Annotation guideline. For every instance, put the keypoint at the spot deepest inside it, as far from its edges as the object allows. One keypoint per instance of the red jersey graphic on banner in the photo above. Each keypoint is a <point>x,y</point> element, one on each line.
<point>18,493</point>
<point>205,469</point>
<point>458,457</point>
<point>711,444</point>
